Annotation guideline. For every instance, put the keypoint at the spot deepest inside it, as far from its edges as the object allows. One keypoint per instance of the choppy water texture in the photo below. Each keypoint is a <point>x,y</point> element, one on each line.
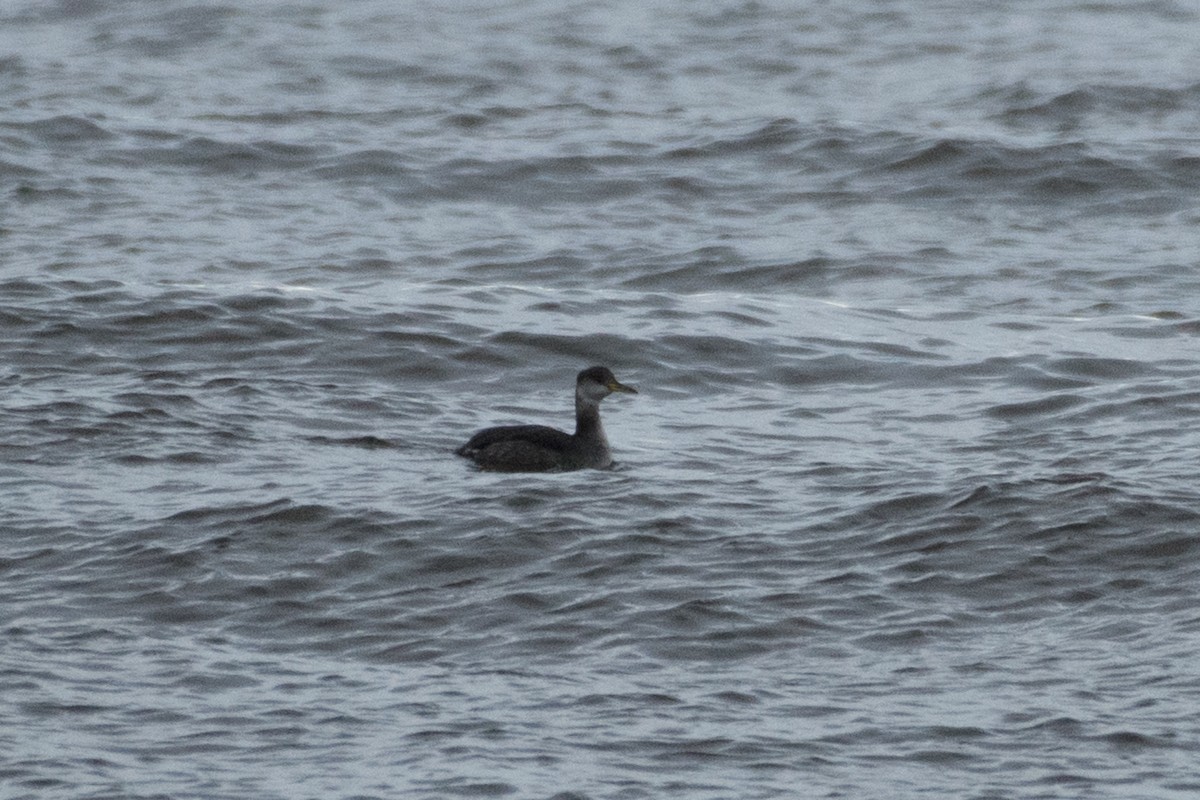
<point>907,504</point>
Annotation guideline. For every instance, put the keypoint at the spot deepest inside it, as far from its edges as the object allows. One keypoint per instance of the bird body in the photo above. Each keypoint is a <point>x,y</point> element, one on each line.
<point>538,448</point>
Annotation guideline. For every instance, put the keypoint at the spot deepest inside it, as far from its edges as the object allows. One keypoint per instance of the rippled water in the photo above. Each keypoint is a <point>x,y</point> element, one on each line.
<point>906,505</point>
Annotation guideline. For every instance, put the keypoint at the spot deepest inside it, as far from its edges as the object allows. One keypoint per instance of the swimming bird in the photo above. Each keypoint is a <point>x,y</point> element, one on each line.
<point>538,448</point>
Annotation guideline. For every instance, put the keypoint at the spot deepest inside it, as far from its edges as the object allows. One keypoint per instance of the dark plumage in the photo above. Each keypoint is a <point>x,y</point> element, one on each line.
<point>538,448</point>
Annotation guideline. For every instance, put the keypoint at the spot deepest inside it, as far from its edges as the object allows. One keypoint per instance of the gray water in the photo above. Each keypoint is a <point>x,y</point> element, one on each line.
<point>906,505</point>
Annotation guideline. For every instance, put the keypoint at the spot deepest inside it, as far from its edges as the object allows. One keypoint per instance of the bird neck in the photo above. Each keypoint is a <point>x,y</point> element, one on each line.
<point>587,417</point>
